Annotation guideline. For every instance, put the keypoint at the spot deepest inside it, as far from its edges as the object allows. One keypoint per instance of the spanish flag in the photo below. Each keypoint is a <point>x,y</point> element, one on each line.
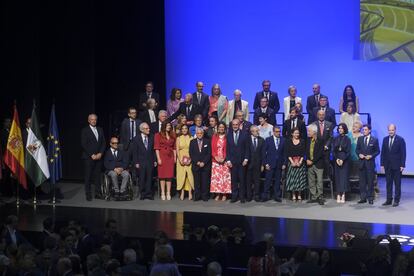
<point>14,155</point>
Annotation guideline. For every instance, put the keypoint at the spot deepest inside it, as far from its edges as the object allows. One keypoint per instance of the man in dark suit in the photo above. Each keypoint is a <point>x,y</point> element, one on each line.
<point>116,163</point>
<point>237,158</point>
<point>13,235</point>
<point>313,101</point>
<point>156,126</point>
<point>201,101</point>
<point>149,115</point>
<point>315,163</point>
<point>244,126</point>
<point>325,134</point>
<point>129,129</point>
<point>264,108</point>
<point>367,149</point>
<point>329,112</point>
<point>393,155</point>
<point>271,96</point>
<point>144,160</point>
<point>200,154</point>
<point>93,146</point>
<point>274,161</point>
<point>254,147</point>
<point>293,122</point>
<point>185,108</point>
<point>148,94</point>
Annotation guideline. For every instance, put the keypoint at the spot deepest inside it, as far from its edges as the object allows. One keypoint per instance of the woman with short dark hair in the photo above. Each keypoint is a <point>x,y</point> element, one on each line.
<point>341,151</point>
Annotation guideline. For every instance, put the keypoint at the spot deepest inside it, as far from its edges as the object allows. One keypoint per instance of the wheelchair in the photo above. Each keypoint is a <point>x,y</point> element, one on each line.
<point>108,191</point>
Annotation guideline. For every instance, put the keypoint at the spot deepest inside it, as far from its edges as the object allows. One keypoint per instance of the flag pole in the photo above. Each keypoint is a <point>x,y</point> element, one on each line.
<point>17,194</point>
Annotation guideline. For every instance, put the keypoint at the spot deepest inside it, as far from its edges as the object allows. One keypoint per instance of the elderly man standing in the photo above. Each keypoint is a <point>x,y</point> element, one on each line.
<point>156,126</point>
<point>315,163</point>
<point>254,147</point>
<point>237,105</point>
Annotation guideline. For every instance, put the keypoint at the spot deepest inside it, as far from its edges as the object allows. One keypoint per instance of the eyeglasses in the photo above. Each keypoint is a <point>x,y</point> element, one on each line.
<point>114,143</point>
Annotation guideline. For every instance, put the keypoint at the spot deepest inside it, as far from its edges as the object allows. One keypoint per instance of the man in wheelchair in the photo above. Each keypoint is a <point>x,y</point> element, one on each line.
<point>116,163</point>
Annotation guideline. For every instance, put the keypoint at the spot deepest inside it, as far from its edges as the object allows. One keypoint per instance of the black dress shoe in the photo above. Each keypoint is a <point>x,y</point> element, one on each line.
<point>321,202</point>
<point>312,201</point>
<point>265,199</point>
<point>205,199</point>
<point>233,200</point>
<point>98,196</point>
<point>88,197</point>
<point>386,203</point>
<point>371,202</point>
<point>278,199</point>
<point>142,197</point>
<point>242,201</point>
<point>150,197</point>
<point>257,199</point>
<point>362,201</point>
<point>395,204</point>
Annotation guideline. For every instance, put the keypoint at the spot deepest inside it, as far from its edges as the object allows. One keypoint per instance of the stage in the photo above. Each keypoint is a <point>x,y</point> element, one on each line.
<point>291,223</point>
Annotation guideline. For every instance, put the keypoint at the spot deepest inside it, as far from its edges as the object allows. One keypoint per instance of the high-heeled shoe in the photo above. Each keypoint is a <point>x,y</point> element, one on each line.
<point>163,197</point>
<point>224,198</point>
<point>190,197</point>
<point>299,199</point>
<point>168,196</point>
<point>217,198</point>
<point>343,198</point>
<point>338,199</point>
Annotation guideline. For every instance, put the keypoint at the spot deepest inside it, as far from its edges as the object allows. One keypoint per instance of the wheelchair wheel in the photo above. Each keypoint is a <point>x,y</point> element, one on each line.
<point>130,189</point>
<point>106,187</point>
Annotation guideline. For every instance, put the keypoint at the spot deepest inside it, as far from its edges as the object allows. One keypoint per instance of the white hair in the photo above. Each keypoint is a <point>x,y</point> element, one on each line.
<point>130,256</point>
<point>237,91</point>
<point>313,128</point>
<point>141,126</point>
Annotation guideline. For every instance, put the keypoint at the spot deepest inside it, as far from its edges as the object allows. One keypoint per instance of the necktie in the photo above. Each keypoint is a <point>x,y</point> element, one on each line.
<point>366,141</point>
<point>115,154</point>
<point>146,142</point>
<point>149,95</point>
<point>317,99</point>
<point>277,143</point>
<point>391,142</point>
<point>199,98</point>
<point>266,94</point>
<point>132,130</point>
<point>255,143</point>
<point>236,137</point>
<point>188,112</point>
<point>321,127</point>
<point>95,132</point>
<point>200,145</point>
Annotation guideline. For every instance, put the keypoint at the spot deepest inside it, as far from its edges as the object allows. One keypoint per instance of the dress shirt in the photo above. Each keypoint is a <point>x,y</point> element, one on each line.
<point>95,132</point>
<point>276,141</point>
<point>152,115</point>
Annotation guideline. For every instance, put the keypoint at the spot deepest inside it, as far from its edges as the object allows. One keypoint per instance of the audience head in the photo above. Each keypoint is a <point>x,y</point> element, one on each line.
<point>144,128</point>
<point>130,256</point>
<point>342,129</point>
<point>321,115</point>
<point>200,133</point>
<point>149,87</point>
<point>92,119</point>
<point>111,224</point>
<point>212,121</point>
<point>392,129</point>
<point>264,102</point>
<point>132,113</point>
<point>176,94</point>
<point>316,88</point>
<point>216,90</point>
<point>276,131</point>
<point>214,269</point>
<point>323,101</point>
<point>292,91</point>
<point>114,143</point>
<point>213,233</point>
<point>356,127</point>
<point>199,86</point>
<point>163,254</point>
<point>312,130</point>
<point>235,124</point>
<point>312,257</point>
<point>299,256</point>
<point>93,262</point>
<point>293,113</point>
<point>237,95</point>
<point>221,128</point>
<point>198,120</point>
<point>295,133</point>
<point>366,129</point>
<point>162,116</point>
<point>64,266</point>
<point>113,267</point>
<point>151,103</point>
<point>188,99</point>
<point>266,85</point>
<point>76,264</point>
<point>263,117</point>
<point>240,116</point>
<point>254,130</point>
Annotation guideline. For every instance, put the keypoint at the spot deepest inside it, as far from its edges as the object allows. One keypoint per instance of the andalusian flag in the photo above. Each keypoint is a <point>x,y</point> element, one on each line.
<point>36,160</point>
<point>14,155</point>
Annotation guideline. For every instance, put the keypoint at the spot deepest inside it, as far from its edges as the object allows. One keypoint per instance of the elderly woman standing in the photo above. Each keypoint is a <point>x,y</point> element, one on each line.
<point>218,103</point>
<point>291,100</point>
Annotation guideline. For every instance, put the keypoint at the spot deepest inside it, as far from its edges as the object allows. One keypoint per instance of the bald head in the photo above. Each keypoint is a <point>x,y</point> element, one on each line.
<point>392,129</point>
<point>316,88</point>
<point>92,119</point>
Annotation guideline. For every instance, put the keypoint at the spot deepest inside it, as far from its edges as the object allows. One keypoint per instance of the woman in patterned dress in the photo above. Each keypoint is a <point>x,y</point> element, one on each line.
<point>185,179</point>
<point>174,103</point>
<point>220,173</point>
<point>164,146</point>
<point>296,178</point>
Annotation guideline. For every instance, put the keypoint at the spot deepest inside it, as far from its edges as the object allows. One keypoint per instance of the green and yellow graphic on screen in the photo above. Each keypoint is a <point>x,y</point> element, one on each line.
<point>387,30</point>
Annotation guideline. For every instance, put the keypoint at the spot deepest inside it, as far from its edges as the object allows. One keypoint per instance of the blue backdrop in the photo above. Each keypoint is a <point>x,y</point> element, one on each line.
<point>240,43</point>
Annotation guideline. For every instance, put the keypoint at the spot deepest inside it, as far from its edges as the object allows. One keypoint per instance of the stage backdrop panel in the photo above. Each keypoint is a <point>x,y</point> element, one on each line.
<point>240,43</point>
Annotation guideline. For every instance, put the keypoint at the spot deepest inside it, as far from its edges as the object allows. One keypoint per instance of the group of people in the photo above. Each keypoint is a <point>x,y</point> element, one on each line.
<point>209,147</point>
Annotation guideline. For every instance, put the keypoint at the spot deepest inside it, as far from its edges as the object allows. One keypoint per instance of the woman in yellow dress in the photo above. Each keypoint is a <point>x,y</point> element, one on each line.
<point>185,179</point>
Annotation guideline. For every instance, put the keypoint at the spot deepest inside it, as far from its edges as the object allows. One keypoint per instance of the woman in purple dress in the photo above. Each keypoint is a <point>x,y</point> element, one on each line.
<point>174,103</point>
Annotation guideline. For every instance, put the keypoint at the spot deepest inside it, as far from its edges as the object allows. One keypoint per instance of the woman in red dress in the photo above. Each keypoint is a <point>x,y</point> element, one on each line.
<point>220,173</point>
<point>164,145</point>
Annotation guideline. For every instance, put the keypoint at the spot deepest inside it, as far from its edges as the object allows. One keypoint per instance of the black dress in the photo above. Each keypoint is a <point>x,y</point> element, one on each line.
<point>296,178</point>
<point>342,150</point>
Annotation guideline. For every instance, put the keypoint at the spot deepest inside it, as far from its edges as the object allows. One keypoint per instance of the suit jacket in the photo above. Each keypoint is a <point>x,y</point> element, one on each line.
<point>203,106</point>
<point>311,104</point>
<point>145,117</point>
<point>19,238</point>
<point>89,143</point>
<point>318,151</point>
<point>143,98</point>
<point>286,105</point>
<point>182,109</point>
<point>155,127</point>
<point>236,153</point>
<point>327,133</point>
<point>270,113</point>
<point>256,155</point>
<point>246,127</point>
<point>273,157</point>
<point>372,149</point>
<point>142,155</point>
<point>341,147</point>
<point>287,128</point>
<point>393,157</point>
<point>125,132</point>
<point>273,100</point>
<point>111,162</point>
<point>329,115</point>
<point>231,111</point>
<point>203,156</point>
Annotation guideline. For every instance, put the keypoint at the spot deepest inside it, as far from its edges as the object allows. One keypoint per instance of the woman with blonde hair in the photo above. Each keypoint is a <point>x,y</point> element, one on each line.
<point>185,179</point>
